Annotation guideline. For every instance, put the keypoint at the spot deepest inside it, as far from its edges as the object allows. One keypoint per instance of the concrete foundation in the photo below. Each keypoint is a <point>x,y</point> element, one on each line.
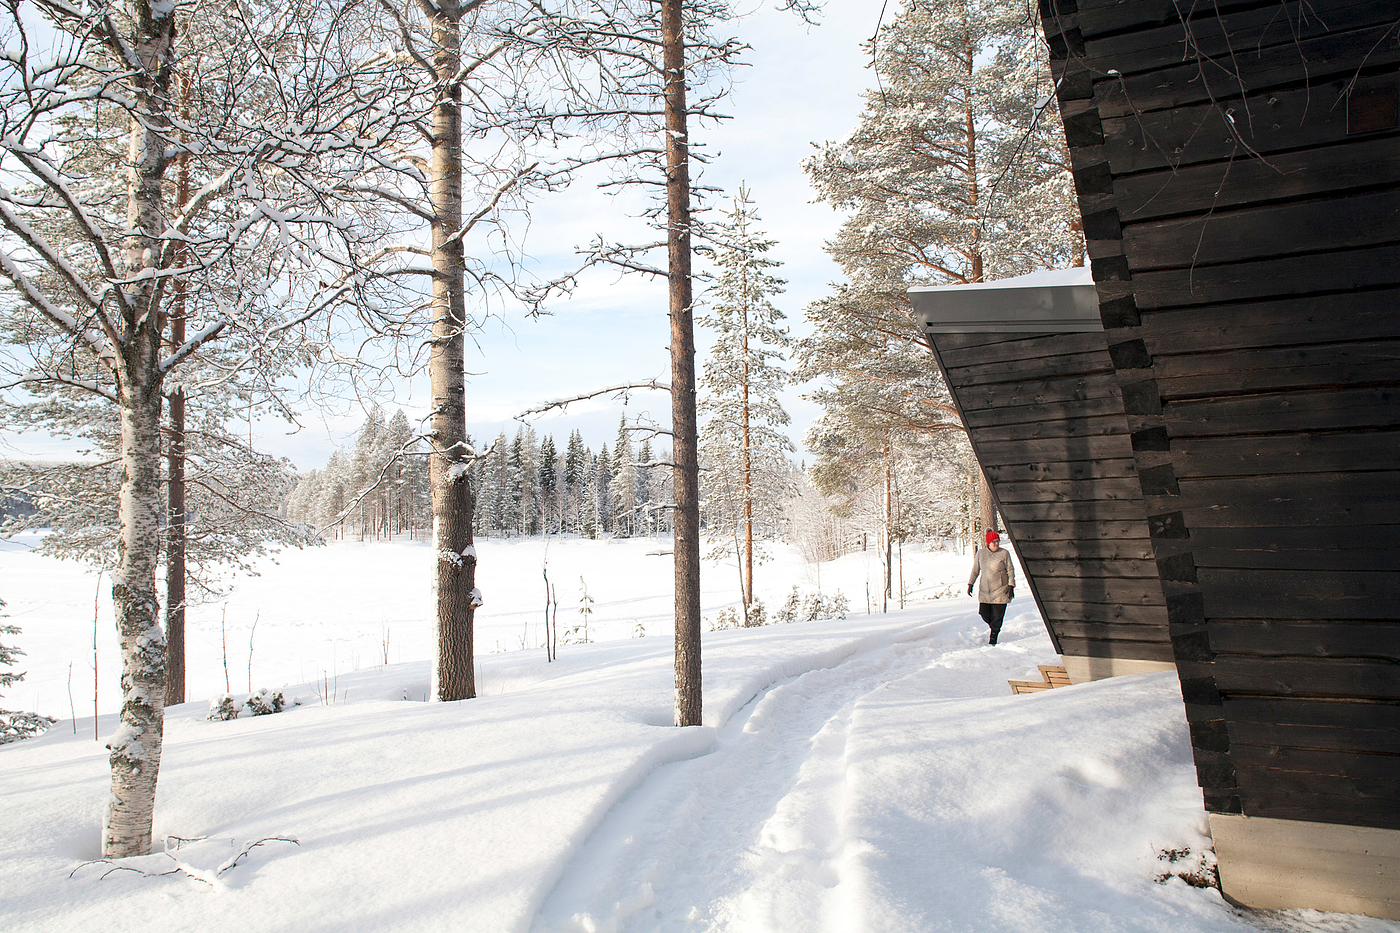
<point>1273,864</point>
<point>1082,670</point>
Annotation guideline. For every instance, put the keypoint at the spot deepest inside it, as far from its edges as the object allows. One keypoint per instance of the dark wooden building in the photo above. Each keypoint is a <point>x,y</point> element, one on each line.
<point>1238,170</point>
<point>1028,368</point>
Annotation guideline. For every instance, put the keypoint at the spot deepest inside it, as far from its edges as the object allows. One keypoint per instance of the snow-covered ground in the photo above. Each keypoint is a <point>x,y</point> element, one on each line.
<point>872,773</point>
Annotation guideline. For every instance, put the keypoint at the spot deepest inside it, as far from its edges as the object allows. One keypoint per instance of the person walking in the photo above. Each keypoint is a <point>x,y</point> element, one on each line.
<point>998,586</point>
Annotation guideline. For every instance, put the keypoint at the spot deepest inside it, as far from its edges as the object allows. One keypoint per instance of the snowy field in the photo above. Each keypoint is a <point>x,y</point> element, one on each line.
<point>325,612</point>
<point>866,774</point>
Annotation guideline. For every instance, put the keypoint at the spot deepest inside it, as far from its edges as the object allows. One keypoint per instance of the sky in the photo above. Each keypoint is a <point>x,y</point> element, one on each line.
<point>801,84</point>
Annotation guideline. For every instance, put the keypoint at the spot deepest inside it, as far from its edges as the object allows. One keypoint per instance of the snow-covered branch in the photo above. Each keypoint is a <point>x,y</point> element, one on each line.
<point>621,391</point>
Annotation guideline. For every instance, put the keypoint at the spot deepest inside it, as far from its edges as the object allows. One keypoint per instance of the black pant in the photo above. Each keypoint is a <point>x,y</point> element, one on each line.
<point>992,614</point>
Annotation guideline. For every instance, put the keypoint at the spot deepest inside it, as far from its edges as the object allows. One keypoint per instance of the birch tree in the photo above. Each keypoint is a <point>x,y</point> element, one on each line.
<point>91,255</point>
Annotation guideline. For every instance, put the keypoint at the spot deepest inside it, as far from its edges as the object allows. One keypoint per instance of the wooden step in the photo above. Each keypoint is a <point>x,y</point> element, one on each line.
<point>1052,676</point>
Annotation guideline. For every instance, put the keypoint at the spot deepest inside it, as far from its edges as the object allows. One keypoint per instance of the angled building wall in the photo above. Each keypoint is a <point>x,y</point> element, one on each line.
<point>1238,172</point>
<point>1028,368</point>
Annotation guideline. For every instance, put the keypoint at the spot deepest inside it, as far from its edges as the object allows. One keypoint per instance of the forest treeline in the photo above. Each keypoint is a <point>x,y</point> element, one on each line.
<point>528,484</point>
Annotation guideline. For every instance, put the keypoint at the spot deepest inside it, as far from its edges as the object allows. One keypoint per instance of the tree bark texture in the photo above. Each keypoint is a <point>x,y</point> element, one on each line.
<point>747,468</point>
<point>683,418</point>
<point>970,127</point>
<point>889,524</point>
<point>136,745</point>
<point>175,541</point>
<point>987,509</point>
<point>449,476</point>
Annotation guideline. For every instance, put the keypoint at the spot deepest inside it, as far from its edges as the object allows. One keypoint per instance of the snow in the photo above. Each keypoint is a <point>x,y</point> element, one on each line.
<point>866,774</point>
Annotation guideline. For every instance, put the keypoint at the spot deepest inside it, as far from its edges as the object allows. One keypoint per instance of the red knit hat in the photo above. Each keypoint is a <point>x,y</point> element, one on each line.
<point>993,536</point>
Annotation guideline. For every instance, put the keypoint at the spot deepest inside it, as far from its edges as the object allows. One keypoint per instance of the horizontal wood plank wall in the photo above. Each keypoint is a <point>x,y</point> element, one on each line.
<point>1045,418</point>
<point>1239,179</point>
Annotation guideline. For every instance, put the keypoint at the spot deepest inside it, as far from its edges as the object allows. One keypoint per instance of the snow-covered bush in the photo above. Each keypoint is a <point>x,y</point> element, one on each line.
<point>222,708</point>
<point>266,702</point>
<point>727,618</point>
<point>16,725</point>
<point>821,606</point>
<point>812,606</point>
<point>791,607</point>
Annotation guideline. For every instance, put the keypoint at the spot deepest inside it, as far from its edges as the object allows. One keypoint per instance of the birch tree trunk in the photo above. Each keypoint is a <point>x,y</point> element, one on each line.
<point>683,417</point>
<point>455,577</point>
<point>136,745</point>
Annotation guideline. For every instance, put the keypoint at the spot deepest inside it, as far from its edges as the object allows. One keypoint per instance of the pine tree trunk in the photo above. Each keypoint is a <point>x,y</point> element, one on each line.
<point>175,540</point>
<point>986,508</point>
<point>748,486</point>
<point>973,194</point>
<point>683,419</point>
<point>455,579</point>
<point>175,536</point>
<point>136,745</point>
<point>889,523</point>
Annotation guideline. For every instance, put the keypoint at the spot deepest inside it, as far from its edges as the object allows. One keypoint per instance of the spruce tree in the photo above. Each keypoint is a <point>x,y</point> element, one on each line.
<point>549,487</point>
<point>623,492</point>
<point>16,725</point>
<point>602,485</point>
<point>643,486</point>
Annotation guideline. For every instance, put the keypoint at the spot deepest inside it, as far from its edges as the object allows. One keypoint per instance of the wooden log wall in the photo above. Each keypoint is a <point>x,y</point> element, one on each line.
<point>1239,177</point>
<point>1045,418</point>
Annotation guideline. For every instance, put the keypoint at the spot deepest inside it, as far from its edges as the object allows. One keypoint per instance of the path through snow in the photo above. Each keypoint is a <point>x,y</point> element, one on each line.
<point>750,836</point>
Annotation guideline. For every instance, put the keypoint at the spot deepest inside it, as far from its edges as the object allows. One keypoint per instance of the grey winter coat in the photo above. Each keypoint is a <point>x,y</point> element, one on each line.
<point>998,575</point>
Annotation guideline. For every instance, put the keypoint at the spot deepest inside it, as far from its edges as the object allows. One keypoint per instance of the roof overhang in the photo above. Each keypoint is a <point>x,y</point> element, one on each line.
<point>1059,301</point>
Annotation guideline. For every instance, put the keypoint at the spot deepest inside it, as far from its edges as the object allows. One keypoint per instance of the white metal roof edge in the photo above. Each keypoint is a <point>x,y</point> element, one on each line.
<point>1050,302</point>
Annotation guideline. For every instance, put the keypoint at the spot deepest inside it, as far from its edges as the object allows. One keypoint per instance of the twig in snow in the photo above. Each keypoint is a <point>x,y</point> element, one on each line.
<point>172,845</point>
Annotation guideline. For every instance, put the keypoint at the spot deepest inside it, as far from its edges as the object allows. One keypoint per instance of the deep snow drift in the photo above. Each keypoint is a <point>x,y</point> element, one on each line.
<point>872,773</point>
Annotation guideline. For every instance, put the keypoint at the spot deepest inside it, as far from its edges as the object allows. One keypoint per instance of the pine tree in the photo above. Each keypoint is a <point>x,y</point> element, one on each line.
<point>396,449</point>
<point>335,494</point>
<point>741,439</point>
<point>960,154</point>
<point>364,470</point>
<point>957,151</point>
